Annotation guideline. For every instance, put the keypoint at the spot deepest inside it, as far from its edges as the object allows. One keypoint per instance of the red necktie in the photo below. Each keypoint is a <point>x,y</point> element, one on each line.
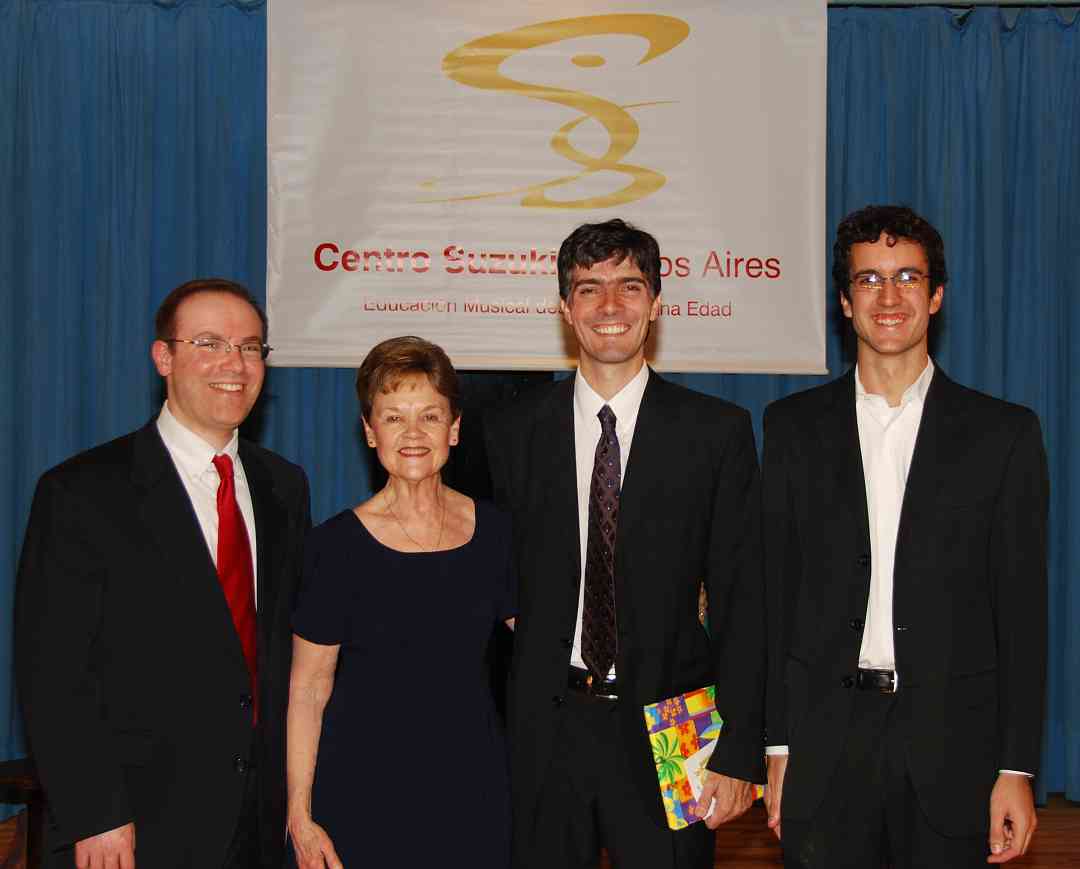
<point>236,572</point>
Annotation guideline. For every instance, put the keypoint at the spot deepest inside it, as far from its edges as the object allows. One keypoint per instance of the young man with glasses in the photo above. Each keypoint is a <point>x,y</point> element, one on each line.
<point>905,553</point>
<point>152,625</point>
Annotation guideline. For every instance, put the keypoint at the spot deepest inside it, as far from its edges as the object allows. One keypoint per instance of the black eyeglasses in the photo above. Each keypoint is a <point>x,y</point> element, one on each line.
<point>220,347</point>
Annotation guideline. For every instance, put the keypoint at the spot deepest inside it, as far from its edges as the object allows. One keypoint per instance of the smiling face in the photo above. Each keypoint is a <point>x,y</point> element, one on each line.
<point>412,429</point>
<point>210,394</point>
<point>891,322</point>
<point>610,306</point>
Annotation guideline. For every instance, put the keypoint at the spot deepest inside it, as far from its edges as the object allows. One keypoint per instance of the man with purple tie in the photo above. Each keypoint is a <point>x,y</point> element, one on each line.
<point>628,493</point>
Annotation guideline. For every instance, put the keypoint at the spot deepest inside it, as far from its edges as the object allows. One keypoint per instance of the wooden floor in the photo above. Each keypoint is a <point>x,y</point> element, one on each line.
<point>13,843</point>
<point>748,844</point>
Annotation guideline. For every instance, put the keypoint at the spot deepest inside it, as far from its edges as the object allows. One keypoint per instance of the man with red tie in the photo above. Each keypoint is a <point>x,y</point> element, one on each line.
<point>152,622</point>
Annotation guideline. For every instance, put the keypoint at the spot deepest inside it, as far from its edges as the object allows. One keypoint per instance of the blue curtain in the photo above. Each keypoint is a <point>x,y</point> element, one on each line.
<point>132,157</point>
<point>973,119</point>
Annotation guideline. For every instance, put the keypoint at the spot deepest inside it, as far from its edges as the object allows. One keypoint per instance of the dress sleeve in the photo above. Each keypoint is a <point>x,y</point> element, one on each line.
<point>504,574</point>
<point>320,611</point>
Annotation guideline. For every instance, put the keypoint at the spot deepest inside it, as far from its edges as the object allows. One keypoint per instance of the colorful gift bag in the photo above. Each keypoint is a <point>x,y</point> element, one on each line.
<point>682,731</point>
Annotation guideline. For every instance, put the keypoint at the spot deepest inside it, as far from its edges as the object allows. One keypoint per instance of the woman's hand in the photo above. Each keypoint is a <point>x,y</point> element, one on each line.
<point>312,846</point>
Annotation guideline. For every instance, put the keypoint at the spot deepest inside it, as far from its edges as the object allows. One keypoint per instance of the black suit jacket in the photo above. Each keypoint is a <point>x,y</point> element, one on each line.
<point>969,599</point>
<point>131,676</point>
<point>688,514</point>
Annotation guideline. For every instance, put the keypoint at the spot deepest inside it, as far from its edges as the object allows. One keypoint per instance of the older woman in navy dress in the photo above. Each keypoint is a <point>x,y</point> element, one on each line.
<point>394,743</point>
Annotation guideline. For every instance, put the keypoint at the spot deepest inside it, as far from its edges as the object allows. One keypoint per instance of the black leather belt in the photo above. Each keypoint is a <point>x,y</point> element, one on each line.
<point>584,682</point>
<point>883,681</point>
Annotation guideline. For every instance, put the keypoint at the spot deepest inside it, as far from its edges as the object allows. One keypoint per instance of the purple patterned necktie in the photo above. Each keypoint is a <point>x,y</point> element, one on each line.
<point>598,630</point>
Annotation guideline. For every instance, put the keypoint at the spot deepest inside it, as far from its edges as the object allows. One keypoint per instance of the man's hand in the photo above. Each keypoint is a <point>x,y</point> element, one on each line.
<point>1012,817</point>
<point>312,845</point>
<point>774,790</point>
<point>113,849</point>
<point>733,797</point>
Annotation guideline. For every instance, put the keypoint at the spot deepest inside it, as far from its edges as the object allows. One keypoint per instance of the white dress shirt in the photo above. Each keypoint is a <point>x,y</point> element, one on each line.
<point>193,458</point>
<point>587,403</point>
<point>887,441</point>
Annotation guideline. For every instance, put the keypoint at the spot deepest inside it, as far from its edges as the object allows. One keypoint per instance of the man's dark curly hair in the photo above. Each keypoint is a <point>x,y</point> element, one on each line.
<point>593,243</point>
<point>896,222</point>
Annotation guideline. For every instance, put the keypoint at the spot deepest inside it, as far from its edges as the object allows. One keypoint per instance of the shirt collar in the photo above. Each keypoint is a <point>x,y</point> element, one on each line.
<point>189,450</point>
<point>624,404</point>
<point>917,390</point>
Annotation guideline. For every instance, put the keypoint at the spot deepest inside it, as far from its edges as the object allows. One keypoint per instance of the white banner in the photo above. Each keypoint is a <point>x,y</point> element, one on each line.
<point>426,160</point>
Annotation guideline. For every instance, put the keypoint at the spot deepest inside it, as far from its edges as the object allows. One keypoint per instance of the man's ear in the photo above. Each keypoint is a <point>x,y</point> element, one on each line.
<point>936,299</point>
<point>845,306</point>
<point>161,353</point>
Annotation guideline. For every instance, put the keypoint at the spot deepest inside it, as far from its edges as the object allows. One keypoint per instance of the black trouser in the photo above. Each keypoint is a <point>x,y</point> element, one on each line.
<point>589,801</point>
<point>870,814</point>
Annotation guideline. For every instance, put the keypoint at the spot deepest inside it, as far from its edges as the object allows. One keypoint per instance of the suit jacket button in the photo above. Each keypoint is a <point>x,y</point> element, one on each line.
<point>567,643</point>
<point>856,624</point>
<point>557,701</point>
<point>863,560</point>
<point>240,765</point>
<point>848,681</point>
<point>245,701</point>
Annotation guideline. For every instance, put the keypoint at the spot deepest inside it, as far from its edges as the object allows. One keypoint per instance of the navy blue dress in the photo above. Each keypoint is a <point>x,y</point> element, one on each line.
<point>411,756</point>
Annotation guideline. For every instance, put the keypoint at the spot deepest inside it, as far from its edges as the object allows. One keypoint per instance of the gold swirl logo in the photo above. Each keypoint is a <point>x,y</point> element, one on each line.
<point>477,64</point>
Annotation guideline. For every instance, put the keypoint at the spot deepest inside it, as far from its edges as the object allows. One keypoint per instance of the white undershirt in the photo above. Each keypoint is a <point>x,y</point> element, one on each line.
<point>587,403</point>
<point>887,441</point>
<point>193,458</point>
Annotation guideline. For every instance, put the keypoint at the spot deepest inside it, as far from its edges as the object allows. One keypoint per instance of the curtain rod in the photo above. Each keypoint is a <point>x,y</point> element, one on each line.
<point>953,5</point>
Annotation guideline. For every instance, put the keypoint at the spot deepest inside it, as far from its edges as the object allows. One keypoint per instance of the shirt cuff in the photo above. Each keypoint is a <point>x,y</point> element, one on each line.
<point>771,750</point>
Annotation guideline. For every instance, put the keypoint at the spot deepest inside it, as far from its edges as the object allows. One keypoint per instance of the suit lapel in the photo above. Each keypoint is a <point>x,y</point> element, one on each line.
<point>936,447</point>
<point>841,453</point>
<point>919,595</point>
<point>556,450</point>
<point>644,464</point>
<point>165,511</point>
<point>268,520</point>
<point>844,489</point>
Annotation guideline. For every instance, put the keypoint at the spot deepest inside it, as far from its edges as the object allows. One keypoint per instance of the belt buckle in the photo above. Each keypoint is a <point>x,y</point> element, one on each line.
<point>894,681</point>
<point>593,686</point>
<point>875,680</point>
